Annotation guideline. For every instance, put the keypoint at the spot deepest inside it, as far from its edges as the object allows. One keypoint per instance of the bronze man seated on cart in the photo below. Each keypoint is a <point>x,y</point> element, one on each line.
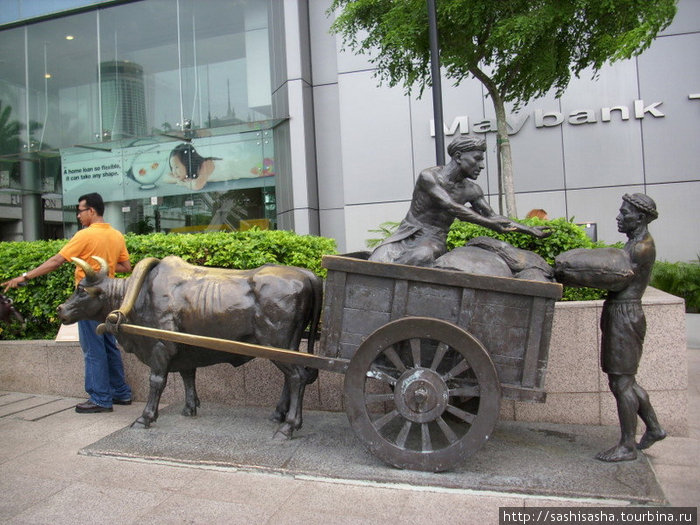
<point>440,195</point>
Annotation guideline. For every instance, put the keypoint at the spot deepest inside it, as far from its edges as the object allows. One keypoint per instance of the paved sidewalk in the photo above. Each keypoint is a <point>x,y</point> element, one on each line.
<point>43,479</point>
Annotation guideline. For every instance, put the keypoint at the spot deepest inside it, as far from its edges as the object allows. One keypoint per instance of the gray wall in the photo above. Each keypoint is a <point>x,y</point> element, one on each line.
<point>297,187</point>
<point>372,141</point>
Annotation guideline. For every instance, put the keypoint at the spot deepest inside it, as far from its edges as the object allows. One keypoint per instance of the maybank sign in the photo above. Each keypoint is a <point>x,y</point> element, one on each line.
<point>547,119</point>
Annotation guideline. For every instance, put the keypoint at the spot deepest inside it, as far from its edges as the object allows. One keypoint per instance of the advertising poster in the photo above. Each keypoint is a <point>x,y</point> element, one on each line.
<point>146,168</point>
<point>91,171</point>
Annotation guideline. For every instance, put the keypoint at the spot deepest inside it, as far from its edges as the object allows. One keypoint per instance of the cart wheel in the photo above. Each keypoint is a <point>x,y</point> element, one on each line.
<point>422,394</point>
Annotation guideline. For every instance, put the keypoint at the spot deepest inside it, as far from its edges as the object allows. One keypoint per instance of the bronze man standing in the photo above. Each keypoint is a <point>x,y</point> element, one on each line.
<point>623,327</point>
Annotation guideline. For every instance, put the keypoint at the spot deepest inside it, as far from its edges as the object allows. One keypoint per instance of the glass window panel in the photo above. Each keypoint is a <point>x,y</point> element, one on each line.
<point>12,93</point>
<point>139,68</point>
<point>15,10</point>
<point>62,86</point>
<point>108,95</point>
<point>201,212</point>
<point>225,62</point>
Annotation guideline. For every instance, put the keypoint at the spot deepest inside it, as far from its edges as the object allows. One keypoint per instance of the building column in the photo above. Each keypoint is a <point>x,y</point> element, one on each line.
<point>292,96</point>
<point>32,209</point>
<point>114,215</point>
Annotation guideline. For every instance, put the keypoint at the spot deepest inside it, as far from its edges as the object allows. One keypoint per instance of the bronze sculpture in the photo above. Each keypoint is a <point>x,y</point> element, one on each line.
<point>623,327</point>
<point>625,274</point>
<point>440,195</point>
<point>8,312</point>
<point>270,305</point>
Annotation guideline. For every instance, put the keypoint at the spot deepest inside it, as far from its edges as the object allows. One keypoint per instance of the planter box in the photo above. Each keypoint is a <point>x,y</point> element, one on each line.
<point>577,390</point>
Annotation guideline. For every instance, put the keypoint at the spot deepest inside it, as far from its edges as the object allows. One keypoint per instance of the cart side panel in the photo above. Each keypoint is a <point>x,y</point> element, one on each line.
<point>545,328</point>
<point>331,315</point>
<point>363,304</point>
<point>500,321</point>
<point>433,300</point>
<point>513,324</point>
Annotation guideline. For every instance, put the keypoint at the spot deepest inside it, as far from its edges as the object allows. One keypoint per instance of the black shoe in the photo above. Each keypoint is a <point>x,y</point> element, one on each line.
<point>121,401</point>
<point>90,408</point>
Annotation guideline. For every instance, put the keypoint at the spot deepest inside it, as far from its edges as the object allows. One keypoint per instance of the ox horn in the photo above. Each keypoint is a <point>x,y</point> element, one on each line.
<point>104,267</point>
<point>90,273</point>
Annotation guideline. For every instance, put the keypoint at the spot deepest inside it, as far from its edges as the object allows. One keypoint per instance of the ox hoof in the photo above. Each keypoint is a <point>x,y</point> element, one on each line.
<point>283,433</point>
<point>189,411</point>
<point>141,423</point>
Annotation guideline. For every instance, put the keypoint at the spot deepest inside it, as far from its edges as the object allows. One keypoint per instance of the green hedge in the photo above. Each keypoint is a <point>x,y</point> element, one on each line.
<point>38,301</point>
<point>565,236</point>
<point>680,279</point>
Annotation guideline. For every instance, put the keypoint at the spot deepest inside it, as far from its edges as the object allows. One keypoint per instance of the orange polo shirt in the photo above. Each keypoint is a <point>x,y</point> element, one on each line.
<point>97,239</point>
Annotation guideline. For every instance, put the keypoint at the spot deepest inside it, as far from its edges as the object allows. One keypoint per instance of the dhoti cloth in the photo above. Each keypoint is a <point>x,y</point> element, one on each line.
<point>413,243</point>
<point>623,327</point>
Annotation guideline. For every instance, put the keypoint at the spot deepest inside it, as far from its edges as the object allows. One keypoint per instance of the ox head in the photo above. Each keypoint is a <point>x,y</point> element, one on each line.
<point>8,311</point>
<point>87,302</point>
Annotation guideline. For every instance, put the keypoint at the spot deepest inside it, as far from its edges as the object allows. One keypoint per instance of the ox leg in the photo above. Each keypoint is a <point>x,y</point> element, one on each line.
<point>191,398</point>
<point>280,413</point>
<point>157,382</point>
<point>296,379</point>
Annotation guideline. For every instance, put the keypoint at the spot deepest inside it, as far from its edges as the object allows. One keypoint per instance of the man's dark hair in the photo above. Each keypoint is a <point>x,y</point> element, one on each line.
<point>643,203</point>
<point>94,201</point>
<point>462,144</point>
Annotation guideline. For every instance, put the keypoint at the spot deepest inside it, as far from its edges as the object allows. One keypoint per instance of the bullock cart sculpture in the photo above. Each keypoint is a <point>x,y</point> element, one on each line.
<point>427,354</point>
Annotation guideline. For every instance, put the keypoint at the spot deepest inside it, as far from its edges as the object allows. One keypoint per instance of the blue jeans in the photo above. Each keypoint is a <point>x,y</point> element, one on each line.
<point>104,370</point>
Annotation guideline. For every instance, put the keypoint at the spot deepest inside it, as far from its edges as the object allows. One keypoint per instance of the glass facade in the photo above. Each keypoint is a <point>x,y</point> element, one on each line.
<point>162,106</point>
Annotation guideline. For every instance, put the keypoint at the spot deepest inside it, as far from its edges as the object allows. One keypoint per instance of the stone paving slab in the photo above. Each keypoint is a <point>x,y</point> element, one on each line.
<point>8,398</point>
<point>15,404</point>
<point>525,458</point>
<point>50,407</point>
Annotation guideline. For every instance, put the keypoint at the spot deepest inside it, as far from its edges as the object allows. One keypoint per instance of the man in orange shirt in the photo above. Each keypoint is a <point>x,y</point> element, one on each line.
<point>104,370</point>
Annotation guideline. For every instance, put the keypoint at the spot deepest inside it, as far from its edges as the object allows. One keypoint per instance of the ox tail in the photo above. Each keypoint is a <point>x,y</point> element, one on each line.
<point>316,306</point>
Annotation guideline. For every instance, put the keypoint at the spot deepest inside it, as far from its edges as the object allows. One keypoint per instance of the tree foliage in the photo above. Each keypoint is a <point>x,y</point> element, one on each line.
<point>524,47</point>
<point>681,279</point>
<point>519,49</point>
<point>9,131</point>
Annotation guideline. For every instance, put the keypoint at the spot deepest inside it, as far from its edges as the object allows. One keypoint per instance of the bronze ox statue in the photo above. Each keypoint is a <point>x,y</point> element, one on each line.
<point>8,310</point>
<point>270,305</point>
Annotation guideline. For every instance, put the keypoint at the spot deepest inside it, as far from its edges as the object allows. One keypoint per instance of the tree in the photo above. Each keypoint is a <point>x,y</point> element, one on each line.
<point>9,131</point>
<point>518,49</point>
<point>10,142</point>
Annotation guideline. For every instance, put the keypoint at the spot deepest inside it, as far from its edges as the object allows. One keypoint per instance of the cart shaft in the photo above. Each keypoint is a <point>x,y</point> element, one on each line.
<point>237,347</point>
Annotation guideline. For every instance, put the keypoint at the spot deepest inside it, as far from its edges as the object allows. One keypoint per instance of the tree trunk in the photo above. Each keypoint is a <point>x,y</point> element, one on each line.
<point>504,153</point>
<point>505,171</point>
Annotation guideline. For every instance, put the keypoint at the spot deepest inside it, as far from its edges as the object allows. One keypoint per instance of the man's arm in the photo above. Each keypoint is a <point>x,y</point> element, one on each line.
<point>123,266</point>
<point>479,213</point>
<point>508,225</point>
<point>46,267</point>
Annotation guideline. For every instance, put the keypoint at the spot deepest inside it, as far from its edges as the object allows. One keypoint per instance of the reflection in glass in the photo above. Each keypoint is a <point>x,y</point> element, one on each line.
<point>62,89</point>
<point>225,62</point>
<point>139,68</point>
<point>106,95</point>
<point>123,99</point>
<point>236,210</point>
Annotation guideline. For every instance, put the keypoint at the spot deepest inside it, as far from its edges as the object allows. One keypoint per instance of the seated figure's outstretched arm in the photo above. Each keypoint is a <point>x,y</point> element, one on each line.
<point>508,225</point>
<point>444,201</point>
